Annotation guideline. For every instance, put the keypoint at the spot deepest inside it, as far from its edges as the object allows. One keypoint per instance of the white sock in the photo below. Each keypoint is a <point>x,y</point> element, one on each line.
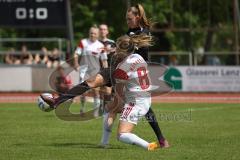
<point>96,102</point>
<point>131,138</point>
<point>107,129</point>
<point>96,106</point>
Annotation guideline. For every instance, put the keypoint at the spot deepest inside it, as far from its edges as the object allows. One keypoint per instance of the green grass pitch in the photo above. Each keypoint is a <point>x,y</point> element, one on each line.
<point>195,131</point>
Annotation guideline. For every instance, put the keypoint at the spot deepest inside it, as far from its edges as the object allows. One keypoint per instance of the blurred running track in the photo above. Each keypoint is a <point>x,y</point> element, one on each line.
<point>165,98</point>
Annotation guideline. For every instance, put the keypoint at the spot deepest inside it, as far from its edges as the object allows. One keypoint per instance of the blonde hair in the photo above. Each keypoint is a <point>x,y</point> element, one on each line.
<point>93,27</point>
<point>127,44</point>
<point>138,10</point>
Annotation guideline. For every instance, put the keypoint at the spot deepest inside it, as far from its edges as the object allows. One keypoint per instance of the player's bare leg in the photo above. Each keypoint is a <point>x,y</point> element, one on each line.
<point>105,92</point>
<point>125,128</point>
<point>108,121</point>
<point>125,135</point>
<point>112,108</point>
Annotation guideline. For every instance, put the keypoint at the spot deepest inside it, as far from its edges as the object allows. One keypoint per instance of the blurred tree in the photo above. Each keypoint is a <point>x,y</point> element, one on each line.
<point>178,24</point>
<point>88,13</point>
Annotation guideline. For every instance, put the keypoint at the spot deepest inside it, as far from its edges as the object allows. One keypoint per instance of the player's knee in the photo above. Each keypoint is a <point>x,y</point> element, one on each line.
<point>91,84</point>
<point>119,136</point>
<point>108,128</point>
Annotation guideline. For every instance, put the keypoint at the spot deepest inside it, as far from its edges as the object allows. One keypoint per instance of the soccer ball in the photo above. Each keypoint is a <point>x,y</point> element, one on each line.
<point>42,105</point>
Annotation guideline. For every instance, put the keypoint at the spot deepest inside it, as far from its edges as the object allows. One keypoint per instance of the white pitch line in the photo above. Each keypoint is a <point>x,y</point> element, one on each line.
<point>202,109</point>
<point>206,109</point>
<point>197,98</point>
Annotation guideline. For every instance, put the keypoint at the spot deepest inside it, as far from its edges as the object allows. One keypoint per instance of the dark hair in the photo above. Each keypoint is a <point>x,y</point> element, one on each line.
<point>138,10</point>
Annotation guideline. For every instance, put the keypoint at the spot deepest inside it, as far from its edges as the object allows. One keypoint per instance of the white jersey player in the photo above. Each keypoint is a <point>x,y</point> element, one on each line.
<point>91,56</point>
<point>132,76</point>
<point>133,73</point>
<point>91,53</point>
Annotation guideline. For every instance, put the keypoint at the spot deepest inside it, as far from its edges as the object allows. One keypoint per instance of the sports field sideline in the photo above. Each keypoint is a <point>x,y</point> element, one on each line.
<point>165,98</point>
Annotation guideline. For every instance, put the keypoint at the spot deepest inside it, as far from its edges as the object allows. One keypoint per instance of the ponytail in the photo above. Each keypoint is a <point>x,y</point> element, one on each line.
<point>127,44</point>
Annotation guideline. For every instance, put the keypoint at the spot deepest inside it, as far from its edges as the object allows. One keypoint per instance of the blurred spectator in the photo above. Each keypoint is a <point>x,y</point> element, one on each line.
<point>26,56</point>
<point>213,60</point>
<point>173,60</point>
<point>53,58</point>
<point>9,57</point>
<point>164,59</point>
<point>45,57</point>
<point>16,57</point>
<point>41,58</point>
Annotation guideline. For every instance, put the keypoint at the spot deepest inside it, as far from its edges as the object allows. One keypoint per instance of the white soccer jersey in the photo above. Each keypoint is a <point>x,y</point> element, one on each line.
<point>133,72</point>
<point>90,55</point>
<point>87,47</point>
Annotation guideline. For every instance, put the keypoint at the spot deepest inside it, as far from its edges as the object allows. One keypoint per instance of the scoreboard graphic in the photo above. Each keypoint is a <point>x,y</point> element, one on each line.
<point>33,13</point>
